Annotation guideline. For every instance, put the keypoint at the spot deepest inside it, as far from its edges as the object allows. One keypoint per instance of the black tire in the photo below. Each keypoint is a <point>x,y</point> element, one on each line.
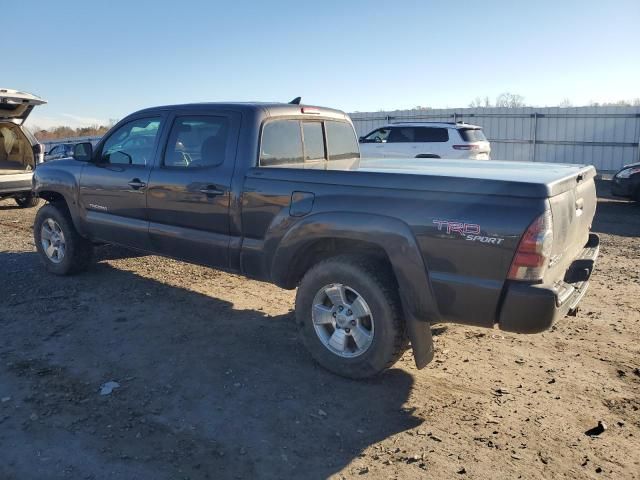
<point>376,285</point>
<point>28,200</point>
<point>78,250</point>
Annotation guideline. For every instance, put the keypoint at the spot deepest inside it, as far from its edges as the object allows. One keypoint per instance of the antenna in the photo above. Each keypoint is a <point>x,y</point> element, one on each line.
<point>296,101</point>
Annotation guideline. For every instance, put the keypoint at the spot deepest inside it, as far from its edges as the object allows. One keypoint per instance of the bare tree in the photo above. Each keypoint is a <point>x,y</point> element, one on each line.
<point>480,102</point>
<point>620,103</point>
<point>506,99</point>
<point>510,100</point>
<point>565,103</point>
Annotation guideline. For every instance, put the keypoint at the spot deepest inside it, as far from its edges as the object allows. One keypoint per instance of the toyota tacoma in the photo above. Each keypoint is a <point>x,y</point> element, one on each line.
<point>377,254</point>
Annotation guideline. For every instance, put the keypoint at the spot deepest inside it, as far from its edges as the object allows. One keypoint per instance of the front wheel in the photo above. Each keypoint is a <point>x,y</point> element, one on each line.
<point>28,200</point>
<point>62,250</point>
<point>349,316</point>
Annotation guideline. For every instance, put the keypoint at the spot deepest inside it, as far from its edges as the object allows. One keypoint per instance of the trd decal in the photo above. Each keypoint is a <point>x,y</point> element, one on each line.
<point>461,228</point>
<point>470,231</point>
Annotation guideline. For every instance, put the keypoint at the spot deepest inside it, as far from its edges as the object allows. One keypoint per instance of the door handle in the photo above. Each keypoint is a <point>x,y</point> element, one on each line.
<point>137,184</point>
<point>211,191</point>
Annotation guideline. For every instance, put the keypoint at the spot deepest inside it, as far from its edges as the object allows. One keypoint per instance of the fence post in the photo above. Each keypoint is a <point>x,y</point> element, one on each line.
<point>638,128</point>
<point>535,135</point>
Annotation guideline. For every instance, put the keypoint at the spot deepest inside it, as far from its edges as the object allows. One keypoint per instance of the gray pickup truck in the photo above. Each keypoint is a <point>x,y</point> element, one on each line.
<point>377,252</point>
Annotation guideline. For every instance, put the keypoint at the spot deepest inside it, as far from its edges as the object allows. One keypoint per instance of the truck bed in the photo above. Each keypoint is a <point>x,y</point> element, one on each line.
<point>521,179</point>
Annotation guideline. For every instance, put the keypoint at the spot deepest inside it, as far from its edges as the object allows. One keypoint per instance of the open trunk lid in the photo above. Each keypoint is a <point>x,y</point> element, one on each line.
<point>16,105</point>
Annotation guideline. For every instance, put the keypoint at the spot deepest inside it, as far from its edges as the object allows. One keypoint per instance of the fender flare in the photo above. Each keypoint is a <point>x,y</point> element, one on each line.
<point>397,240</point>
<point>62,183</point>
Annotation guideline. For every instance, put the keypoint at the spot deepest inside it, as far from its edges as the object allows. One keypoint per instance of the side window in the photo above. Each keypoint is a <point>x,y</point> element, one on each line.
<point>431,134</point>
<point>313,141</point>
<point>197,141</point>
<point>133,143</point>
<point>281,144</point>
<point>342,143</point>
<point>402,135</point>
<point>377,136</point>
<point>54,150</point>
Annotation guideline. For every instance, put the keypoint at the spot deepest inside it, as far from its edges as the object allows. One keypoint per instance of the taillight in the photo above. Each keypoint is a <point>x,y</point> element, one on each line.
<point>466,147</point>
<point>534,250</point>
<point>38,152</point>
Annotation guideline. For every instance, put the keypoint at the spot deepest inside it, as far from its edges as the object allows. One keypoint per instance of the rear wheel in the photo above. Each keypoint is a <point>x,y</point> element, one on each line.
<point>62,250</point>
<point>349,316</point>
<point>28,200</point>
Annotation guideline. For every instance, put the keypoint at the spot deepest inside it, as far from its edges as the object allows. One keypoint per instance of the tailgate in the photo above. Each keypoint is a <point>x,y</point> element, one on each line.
<point>572,211</point>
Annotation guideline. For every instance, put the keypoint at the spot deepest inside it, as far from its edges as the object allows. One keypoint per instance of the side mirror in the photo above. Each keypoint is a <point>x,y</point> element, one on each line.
<point>361,139</point>
<point>83,152</point>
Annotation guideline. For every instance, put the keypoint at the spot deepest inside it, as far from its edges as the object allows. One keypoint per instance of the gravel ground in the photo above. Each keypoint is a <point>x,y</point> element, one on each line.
<point>214,384</point>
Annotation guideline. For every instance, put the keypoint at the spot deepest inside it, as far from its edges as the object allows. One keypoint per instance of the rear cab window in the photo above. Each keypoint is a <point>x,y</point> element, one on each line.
<point>344,153</point>
<point>321,144</point>
<point>281,144</point>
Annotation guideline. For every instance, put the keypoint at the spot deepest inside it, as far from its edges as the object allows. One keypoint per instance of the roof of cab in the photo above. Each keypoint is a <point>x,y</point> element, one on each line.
<point>434,124</point>
<point>270,109</point>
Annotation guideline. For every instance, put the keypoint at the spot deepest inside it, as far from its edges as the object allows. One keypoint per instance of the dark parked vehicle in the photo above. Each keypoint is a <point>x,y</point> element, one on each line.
<point>20,152</point>
<point>626,183</point>
<point>59,151</point>
<point>273,191</point>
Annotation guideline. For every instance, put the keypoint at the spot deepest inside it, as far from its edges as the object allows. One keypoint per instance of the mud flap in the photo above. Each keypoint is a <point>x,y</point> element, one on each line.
<point>421,341</point>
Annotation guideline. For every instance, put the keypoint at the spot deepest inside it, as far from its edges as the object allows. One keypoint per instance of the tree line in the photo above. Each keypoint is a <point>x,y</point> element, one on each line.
<point>513,100</point>
<point>56,133</point>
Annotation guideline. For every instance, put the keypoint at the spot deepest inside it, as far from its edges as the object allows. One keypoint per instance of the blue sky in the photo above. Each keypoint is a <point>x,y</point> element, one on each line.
<point>96,60</point>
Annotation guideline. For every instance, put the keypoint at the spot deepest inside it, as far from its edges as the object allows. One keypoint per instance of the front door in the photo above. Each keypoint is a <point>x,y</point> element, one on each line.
<point>190,189</point>
<point>113,188</point>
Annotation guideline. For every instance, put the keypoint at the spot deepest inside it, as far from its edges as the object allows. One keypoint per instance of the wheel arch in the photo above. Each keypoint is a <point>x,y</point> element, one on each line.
<point>322,235</point>
<point>59,188</point>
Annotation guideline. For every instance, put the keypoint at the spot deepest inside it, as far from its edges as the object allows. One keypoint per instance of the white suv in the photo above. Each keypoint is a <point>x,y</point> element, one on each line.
<point>20,151</point>
<point>426,140</point>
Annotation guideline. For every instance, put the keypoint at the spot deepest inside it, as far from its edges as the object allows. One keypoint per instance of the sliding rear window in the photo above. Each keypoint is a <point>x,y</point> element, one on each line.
<point>472,134</point>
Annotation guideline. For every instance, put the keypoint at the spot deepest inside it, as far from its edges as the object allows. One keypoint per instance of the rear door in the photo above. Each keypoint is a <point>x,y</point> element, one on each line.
<point>400,143</point>
<point>113,189</point>
<point>431,141</point>
<point>190,188</point>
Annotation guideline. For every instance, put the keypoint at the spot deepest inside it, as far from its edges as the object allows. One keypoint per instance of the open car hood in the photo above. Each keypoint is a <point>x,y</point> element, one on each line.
<point>16,105</point>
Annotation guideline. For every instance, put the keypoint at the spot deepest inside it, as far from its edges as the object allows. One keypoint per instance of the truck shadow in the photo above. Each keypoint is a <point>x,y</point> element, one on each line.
<point>208,389</point>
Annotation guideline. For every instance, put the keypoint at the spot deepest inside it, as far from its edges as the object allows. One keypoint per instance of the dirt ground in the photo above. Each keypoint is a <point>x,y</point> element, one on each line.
<point>214,384</point>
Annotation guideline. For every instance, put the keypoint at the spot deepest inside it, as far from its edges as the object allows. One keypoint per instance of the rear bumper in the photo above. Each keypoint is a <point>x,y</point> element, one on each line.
<point>534,308</point>
<point>15,183</point>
